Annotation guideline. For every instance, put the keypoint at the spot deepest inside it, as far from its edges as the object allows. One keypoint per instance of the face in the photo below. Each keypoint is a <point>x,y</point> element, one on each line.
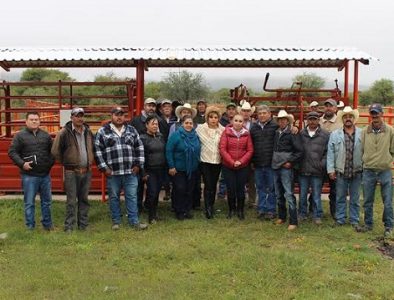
<point>313,123</point>
<point>201,107</point>
<point>283,122</point>
<point>166,109</point>
<point>213,119</point>
<point>188,124</point>
<point>33,122</point>
<point>246,114</point>
<point>231,112</point>
<point>152,127</point>
<point>376,118</point>
<point>238,122</point>
<point>314,108</point>
<point>77,120</point>
<point>264,116</point>
<point>185,112</point>
<point>150,108</point>
<point>118,119</point>
<point>329,110</point>
<point>348,120</point>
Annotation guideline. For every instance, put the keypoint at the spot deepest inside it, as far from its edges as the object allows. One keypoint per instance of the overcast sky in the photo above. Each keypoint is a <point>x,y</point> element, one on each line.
<point>366,25</point>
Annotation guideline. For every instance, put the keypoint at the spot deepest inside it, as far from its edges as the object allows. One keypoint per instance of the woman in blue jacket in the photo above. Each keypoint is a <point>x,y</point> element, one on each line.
<point>183,157</point>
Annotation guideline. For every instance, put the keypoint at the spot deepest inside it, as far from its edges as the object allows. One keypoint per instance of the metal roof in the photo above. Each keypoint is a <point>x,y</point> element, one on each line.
<point>180,57</point>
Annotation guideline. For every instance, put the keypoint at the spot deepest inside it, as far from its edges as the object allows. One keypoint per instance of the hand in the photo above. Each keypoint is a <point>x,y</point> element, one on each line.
<point>108,172</point>
<point>332,176</point>
<point>237,163</point>
<point>145,178</point>
<point>172,171</point>
<point>294,129</point>
<point>135,170</point>
<point>287,165</point>
<point>27,166</point>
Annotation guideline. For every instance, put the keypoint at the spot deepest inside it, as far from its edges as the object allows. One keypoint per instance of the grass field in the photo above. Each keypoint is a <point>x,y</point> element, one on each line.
<point>193,259</point>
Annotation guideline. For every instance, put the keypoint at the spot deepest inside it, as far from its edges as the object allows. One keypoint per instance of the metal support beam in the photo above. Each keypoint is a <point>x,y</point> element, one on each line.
<point>346,83</point>
<point>355,85</point>
<point>140,86</point>
<point>4,66</point>
<point>7,94</point>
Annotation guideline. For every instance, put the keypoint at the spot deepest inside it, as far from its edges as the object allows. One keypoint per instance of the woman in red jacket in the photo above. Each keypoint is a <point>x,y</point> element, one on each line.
<point>236,149</point>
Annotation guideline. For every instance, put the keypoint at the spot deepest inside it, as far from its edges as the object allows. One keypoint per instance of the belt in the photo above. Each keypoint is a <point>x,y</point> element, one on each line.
<point>77,170</point>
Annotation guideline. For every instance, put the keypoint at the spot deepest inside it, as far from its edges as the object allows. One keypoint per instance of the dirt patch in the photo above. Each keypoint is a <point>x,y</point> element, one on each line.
<point>385,246</point>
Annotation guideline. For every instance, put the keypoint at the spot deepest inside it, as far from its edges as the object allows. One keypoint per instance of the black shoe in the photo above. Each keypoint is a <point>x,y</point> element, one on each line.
<point>364,228</point>
<point>180,216</point>
<point>49,228</point>
<point>241,215</point>
<point>230,214</point>
<point>188,215</point>
<point>68,230</point>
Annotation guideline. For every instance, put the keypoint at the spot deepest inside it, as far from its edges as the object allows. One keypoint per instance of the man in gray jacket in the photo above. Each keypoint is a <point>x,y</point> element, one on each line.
<point>30,150</point>
<point>313,166</point>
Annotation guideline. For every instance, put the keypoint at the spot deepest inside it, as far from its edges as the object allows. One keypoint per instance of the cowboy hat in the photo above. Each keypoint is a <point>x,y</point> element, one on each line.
<point>283,114</point>
<point>245,105</point>
<point>186,106</point>
<point>348,111</point>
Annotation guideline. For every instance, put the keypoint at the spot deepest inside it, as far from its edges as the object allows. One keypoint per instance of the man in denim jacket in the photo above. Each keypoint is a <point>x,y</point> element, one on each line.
<point>344,165</point>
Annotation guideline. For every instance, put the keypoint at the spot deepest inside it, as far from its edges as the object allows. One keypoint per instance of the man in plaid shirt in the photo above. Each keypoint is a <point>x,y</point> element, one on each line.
<point>120,155</point>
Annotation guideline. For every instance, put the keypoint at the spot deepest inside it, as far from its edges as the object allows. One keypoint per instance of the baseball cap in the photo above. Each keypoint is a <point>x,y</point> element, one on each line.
<point>331,102</point>
<point>165,101</point>
<point>149,101</point>
<point>77,110</point>
<point>117,110</point>
<point>376,107</point>
<point>231,105</point>
<point>313,115</point>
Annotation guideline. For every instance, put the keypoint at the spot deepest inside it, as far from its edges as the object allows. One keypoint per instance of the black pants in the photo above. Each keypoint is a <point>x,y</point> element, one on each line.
<point>235,183</point>
<point>183,190</point>
<point>210,176</point>
<point>153,186</point>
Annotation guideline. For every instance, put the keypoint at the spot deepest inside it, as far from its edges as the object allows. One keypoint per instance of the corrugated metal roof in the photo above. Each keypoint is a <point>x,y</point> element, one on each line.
<point>180,57</point>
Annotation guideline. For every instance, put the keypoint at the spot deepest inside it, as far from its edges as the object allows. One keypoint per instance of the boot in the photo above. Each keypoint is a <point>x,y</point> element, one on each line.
<point>240,209</point>
<point>207,204</point>
<point>231,208</point>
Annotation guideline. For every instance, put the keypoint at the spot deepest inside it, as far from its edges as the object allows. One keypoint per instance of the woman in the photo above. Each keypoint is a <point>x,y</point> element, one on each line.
<point>183,156</point>
<point>236,149</point>
<point>210,166</point>
<point>155,165</point>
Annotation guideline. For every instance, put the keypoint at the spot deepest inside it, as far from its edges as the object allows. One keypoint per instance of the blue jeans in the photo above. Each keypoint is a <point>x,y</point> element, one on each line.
<point>264,177</point>
<point>31,186</point>
<point>315,183</point>
<point>370,179</point>
<point>284,190</point>
<point>129,183</point>
<point>345,186</point>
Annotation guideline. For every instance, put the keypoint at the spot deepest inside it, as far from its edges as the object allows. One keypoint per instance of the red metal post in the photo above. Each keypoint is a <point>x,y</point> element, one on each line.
<point>7,94</point>
<point>140,86</point>
<point>355,87</point>
<point>346,83</point>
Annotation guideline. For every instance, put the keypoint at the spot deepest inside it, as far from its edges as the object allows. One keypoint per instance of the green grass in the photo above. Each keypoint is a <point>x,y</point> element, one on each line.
<point>196,259</point>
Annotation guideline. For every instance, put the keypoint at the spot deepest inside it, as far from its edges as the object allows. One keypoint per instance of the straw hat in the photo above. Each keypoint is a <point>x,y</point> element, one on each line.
<point>283,114</point>
<point>348,111</point>
<point>186,106</point>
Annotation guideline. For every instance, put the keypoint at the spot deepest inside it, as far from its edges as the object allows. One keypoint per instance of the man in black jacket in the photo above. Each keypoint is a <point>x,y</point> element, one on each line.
<point>30,150</point>
<point>263,133</point>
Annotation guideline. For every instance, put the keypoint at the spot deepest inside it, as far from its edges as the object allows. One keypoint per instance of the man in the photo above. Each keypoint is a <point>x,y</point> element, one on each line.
<point>73,148</point>
<point>377,142</point>
<point>120,156</point>
<point>313,166</point>
<point>330,122</point>
<point>287,153</point>
<point>30,150</point>
<point>201,108</point>
<point>344,165</point>
<point>314,106</point>
<point>166,112</point>
<point>228,115</point>
<point>138,122</point>
<point>246,111</point>
<point>263,134</point>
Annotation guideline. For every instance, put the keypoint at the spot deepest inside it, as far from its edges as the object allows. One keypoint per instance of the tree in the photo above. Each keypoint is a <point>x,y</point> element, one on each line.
<point>381,91</point>
<point>310,81</point>
<point>184,86</point>
<point>153,89</point>
<point>44,75</point>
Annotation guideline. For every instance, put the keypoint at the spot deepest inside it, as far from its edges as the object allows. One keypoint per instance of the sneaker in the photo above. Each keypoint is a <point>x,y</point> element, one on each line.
<point>364,228</point>
<point>115,227</point>
<point>388,232</point>
<point>280,222</point>
<point>292,227</point>
<point>139,226</point>
<point>153,221</point>
<point>317,221</point>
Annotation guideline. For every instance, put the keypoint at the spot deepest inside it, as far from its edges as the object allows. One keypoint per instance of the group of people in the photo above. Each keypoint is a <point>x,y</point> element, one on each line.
<point>244,148</point>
